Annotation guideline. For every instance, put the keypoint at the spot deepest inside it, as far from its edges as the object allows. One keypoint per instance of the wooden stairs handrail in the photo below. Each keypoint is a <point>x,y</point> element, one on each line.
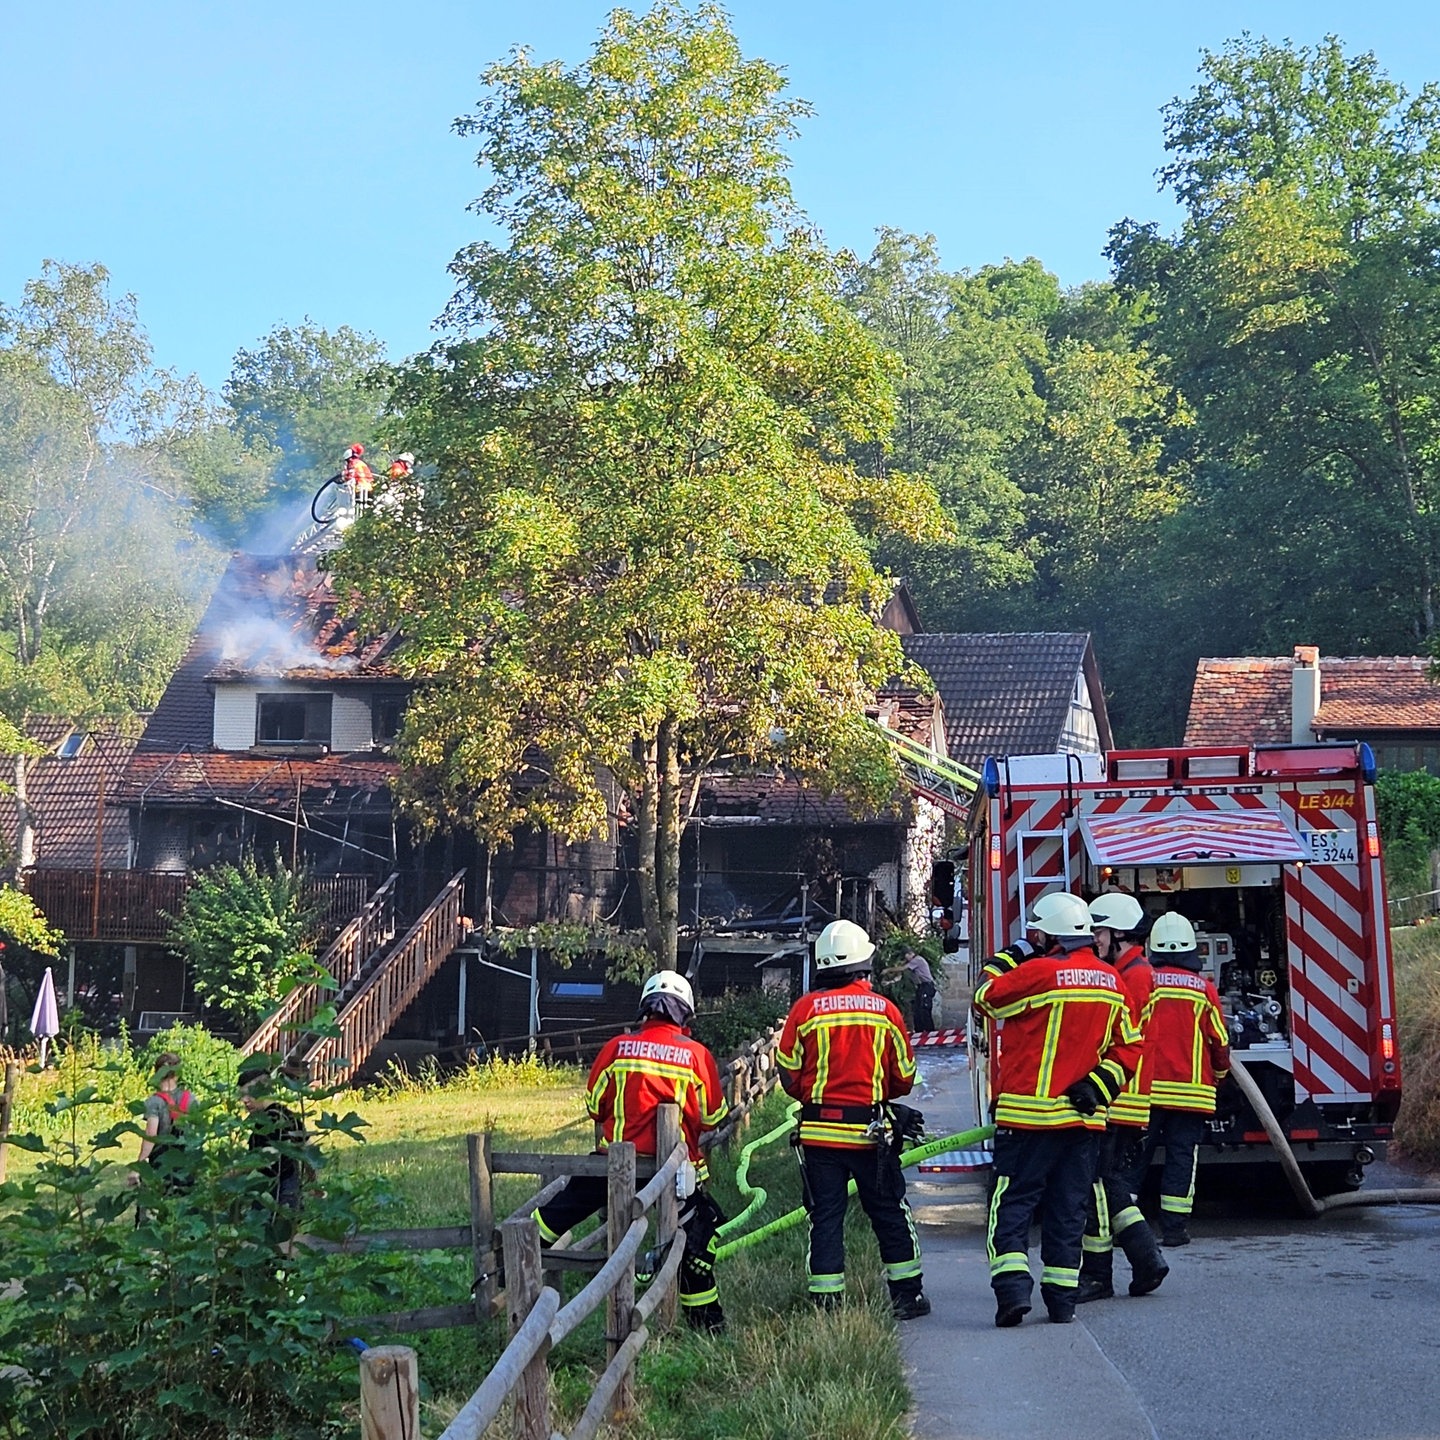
<point>368,1015</point>
<point>363,936</point>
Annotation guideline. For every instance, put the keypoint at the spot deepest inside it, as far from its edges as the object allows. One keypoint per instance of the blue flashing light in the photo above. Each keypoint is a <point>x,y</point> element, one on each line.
<point>990,776</point>
<point>1367,763</point>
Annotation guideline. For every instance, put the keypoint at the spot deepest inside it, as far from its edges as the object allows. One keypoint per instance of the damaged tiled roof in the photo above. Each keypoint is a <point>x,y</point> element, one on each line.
<point>1247,700</point>
<point>1008,694</point>
<point>71,797</point>
<point>199,775</point>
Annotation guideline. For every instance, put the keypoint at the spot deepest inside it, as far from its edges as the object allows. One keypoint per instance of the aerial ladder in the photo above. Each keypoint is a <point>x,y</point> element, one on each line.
<point>943,782</point>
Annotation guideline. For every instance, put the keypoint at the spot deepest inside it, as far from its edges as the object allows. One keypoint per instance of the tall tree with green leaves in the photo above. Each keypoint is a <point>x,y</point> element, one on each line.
<point>100,571</point>
<point>1298,308</point>
<point>644,549</point>
<point>301,396</point>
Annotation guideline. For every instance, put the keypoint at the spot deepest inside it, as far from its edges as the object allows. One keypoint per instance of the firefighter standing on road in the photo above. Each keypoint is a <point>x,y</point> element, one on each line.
<point>1113,1216</point>
<point>1068,1048</point>
<point>844,1054</point>
<point>1187,1053</point>
<point>631,1078</point>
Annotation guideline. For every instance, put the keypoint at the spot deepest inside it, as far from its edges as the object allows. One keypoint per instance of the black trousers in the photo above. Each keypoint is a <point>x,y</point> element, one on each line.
<point>924,1007</point>
<point>1112,1208</point>
<point>585,1195</point>
<point>880,1185</point>
<point>1180,1132</point>
<point>1050,1172</point>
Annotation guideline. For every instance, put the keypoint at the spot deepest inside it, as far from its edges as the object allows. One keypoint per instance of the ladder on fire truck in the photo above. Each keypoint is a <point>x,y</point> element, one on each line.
<point>943,782</point>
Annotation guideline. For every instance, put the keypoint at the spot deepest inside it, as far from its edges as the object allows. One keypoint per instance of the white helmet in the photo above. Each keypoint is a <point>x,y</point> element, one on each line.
<point>1172,934</point>
<point>668,982</point>
<point>842,945</point>
<point>1059,913</point>
<point>1116,911</point>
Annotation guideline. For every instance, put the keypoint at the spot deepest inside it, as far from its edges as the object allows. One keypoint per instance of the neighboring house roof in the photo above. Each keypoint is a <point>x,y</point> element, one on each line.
<point>1249,700</point>
<point>1009,694</point>
<point>68,787</point>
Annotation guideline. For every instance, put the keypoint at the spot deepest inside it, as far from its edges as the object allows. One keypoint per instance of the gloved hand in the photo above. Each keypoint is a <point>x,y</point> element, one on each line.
<point>1085,1096</point>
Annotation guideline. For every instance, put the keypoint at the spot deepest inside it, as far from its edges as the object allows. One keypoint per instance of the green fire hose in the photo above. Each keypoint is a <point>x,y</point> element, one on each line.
<point>916,1156</point>
<point>756,1193</point>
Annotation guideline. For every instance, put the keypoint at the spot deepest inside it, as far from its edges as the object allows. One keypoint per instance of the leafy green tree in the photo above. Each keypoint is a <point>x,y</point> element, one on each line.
<point>100,572</point>
<point>1297,308</point>
<point>244,931</point>
<point>300,397</point>
<point>644,549</point>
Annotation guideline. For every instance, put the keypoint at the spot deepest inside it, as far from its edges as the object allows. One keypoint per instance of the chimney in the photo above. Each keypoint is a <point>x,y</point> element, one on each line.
<point>1304,694</point>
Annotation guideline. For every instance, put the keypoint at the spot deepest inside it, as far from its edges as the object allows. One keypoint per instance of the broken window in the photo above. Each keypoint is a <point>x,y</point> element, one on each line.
<point>292,720</point>
<point>386,712</point>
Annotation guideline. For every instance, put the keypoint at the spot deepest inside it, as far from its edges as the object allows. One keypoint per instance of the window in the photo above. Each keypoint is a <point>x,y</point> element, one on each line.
<point>386,712</point>
<point>72,744</point>
<point>292,720</point>
<point>577,989</point>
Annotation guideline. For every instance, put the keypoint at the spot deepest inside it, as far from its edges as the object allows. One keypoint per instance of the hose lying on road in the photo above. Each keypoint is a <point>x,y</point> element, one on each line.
<point>916,1156</point>
<point>1295,1176</point>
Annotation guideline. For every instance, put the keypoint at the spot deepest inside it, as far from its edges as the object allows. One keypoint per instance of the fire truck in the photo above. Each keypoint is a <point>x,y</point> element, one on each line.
<point>1273,853</point>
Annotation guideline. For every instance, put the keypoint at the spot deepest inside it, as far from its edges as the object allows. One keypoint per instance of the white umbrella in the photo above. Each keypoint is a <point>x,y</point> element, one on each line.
<point>45,1021</point>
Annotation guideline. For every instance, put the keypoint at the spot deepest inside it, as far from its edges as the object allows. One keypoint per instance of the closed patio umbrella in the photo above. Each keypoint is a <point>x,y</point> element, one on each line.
<point>45,1021</point>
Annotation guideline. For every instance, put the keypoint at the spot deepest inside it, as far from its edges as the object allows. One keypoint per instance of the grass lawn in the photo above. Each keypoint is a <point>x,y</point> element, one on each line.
<point>782,1372</point>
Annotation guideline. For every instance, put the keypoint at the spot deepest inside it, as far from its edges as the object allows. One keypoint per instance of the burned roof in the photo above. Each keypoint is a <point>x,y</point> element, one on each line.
<point>196,776</point>
<point>1009,694</point>
<point>1247,700</point>
<point>776,798</point>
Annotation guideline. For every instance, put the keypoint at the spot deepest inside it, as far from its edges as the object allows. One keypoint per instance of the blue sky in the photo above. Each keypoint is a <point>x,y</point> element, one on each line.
<point>244,164</point>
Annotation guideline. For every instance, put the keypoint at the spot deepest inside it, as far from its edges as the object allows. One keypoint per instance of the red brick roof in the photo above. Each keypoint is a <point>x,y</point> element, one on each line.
<point>1247,700</point>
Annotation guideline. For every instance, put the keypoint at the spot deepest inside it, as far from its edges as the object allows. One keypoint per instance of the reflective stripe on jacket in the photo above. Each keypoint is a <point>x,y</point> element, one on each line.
<point>635,1074</point>
<point>1137,979</point>
<point>1066,1019</point>
<point>1187,1045</point>
<point>845,1048</point>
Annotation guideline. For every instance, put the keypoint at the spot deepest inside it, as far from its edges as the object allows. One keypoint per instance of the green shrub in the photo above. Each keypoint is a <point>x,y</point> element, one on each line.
<point>1408,806</point>
<point>197,1320</point>
<point>244,932</point>
<point>737,1018</point>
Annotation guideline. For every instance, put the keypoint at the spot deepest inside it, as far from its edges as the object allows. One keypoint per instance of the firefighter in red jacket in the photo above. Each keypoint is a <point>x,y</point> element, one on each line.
<point>631,1078</point>
<point>1187,1053</point>
<point>1113,1217</point>
<point>1068,1049</point>
<point>845,1054</point>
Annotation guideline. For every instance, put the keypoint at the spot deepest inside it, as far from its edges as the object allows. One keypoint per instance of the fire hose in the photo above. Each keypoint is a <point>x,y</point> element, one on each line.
<point>1291,1166</point>
<point>757,1193</point>
<point>915,1156</point>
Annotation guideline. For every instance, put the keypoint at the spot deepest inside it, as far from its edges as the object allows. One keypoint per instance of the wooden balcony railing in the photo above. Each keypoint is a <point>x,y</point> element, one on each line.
<point>366,1018</point>
<point>131,906</point>
<point>361,938</point>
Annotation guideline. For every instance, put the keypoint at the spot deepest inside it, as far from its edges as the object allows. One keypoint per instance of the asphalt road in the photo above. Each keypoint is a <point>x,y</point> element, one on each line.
<point>1268,1325</point>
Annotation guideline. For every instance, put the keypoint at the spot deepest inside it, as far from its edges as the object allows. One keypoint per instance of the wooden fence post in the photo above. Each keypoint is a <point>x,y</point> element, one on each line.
<point>389,1394</point>
<point>620,1177</point>
<point>520,1238</point>
<point>482,1224</point>
<point>667,1208</point>
<point>7,1109</point>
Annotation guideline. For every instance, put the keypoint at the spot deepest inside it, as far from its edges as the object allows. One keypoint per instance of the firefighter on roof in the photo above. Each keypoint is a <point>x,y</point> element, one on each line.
<point>1113,1216</point>
<point>845,1055</point>
<point>358,478</point>
<point>631,1078</point>
<point>1068,1049</point>
<point>1187,1053</point>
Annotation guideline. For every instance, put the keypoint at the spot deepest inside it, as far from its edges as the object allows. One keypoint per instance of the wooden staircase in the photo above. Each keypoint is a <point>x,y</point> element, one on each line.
<point>381,992</point>
<point>361,942</point>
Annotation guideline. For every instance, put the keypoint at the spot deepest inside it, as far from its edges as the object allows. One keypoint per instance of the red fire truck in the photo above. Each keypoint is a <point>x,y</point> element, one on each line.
<point>1273,853</point>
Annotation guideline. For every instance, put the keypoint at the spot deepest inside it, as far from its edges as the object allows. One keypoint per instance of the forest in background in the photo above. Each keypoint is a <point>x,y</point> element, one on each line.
<point>1227,448</point>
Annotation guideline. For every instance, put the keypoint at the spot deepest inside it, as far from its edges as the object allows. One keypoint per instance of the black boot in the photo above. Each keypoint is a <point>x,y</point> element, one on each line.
<point>1146,1262</point>
<point>1173,1231</point>
<point>1010,1310</point>
<point>705,1317</point>
<point>910,1306</point>
<point>1097,1277</point>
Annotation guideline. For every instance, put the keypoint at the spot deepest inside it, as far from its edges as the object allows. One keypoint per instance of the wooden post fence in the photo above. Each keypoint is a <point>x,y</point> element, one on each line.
<point>389,1394</point>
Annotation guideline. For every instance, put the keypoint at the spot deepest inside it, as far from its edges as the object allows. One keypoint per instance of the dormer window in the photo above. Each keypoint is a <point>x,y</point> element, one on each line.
<point>292,719</point>
<point>386,713</point>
